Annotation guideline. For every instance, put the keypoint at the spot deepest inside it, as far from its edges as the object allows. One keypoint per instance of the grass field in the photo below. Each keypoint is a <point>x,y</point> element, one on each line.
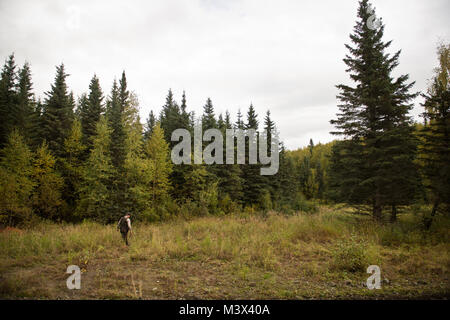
<point>306,256</point>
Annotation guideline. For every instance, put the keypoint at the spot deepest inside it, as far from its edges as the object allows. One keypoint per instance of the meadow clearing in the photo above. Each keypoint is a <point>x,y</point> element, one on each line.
<point>239,256</point>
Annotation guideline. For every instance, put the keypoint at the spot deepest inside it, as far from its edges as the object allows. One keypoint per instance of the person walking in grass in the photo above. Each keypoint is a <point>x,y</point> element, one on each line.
<point>124,226</point>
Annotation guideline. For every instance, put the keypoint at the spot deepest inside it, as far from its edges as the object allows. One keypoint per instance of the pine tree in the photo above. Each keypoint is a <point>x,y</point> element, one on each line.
<point>435,137</point>
<point>131,111</point>
<point>170,118</point>
<point>28,117</point>
<point>208,118</point>
<point>58,113</point>
<point>157,150</point>
<point>16,184</point>
<point>269,126</point>
<point>204,190</point>
<point>173,117</point>
<point>124,94</point>
<point>39,128</point>
<point>228,120</point>
<point>72,165</point>
<point>239,122</point>
<point>269,131</point>
<point>252,118</point>
<point>197,183</point>
<point>220,122</point>
<point>47,192</point>
<point>185,115</point>
<point>8,98</point>
<point>183,105</point>
<point>138,170</point>
<point>151,121</point>
<point>254,183</point>
<point>91,109</point>
<point>95,195</point>
<point>72,105</point>
<point>311,146</point>
<point>116,123</point>
<point>209,122</point>
<point>230,180</point>
<point>115,111</point>
<point>82,106</point>
<point>375,124</point>
<point>286,185</point>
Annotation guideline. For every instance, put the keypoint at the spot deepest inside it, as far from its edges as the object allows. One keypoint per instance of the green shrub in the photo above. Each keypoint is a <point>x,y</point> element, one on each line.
<point>265,201</point>
<point>149,215</point>
<point>228,206</point>
<point>286,209</point>
<point>350,255</point>
<point>301,204</point>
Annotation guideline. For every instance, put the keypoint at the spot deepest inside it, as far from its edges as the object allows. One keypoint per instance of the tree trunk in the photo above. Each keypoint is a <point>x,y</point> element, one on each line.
<point>429,221</point>
<point>377,208</point>
<point>394,213</point>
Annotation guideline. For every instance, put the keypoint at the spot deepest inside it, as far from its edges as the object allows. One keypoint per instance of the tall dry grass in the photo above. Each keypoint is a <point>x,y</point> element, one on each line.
<point>252,240</point>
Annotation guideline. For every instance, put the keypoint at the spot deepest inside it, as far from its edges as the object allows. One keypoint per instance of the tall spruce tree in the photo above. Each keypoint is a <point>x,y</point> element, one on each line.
<point>73,166</point>
<point>209,121</point>
<point>227,120</point>
<point>138,171</point>
<point>230,180</point>
<point>286,182</point>
<point>58,113</point>
<point>27,120</point>
<point>252,118</point>
<point>157,150</point>
<point>269,126</point>
<point>117,102</point>
<point>239,122</point>
<point>95,192</point>
<point>151,121</point>
<point>185,115</point>
<point>82,106</point>
<point>208,118</point>
<point>116,123</point>
<point>170,118</point>
<point>254,183</point>
<point>8,98</point>
<point>269,131</point>
<point>311,146</point>
<point>90,111</point>
<point>374,162</point>
<point>124,93</point>
<point>72,104</point>
<point>220,122</point>
<point>173,117</point>
<point>435,137</point>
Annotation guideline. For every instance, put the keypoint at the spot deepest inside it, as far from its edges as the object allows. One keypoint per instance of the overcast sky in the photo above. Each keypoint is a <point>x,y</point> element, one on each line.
<point>285,56</point>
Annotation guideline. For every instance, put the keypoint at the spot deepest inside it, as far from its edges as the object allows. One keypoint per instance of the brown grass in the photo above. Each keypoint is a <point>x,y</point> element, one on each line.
<point>231,257</point>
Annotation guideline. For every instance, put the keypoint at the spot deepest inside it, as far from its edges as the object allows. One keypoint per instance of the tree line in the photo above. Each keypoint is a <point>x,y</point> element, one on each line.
<point>68,159</point>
